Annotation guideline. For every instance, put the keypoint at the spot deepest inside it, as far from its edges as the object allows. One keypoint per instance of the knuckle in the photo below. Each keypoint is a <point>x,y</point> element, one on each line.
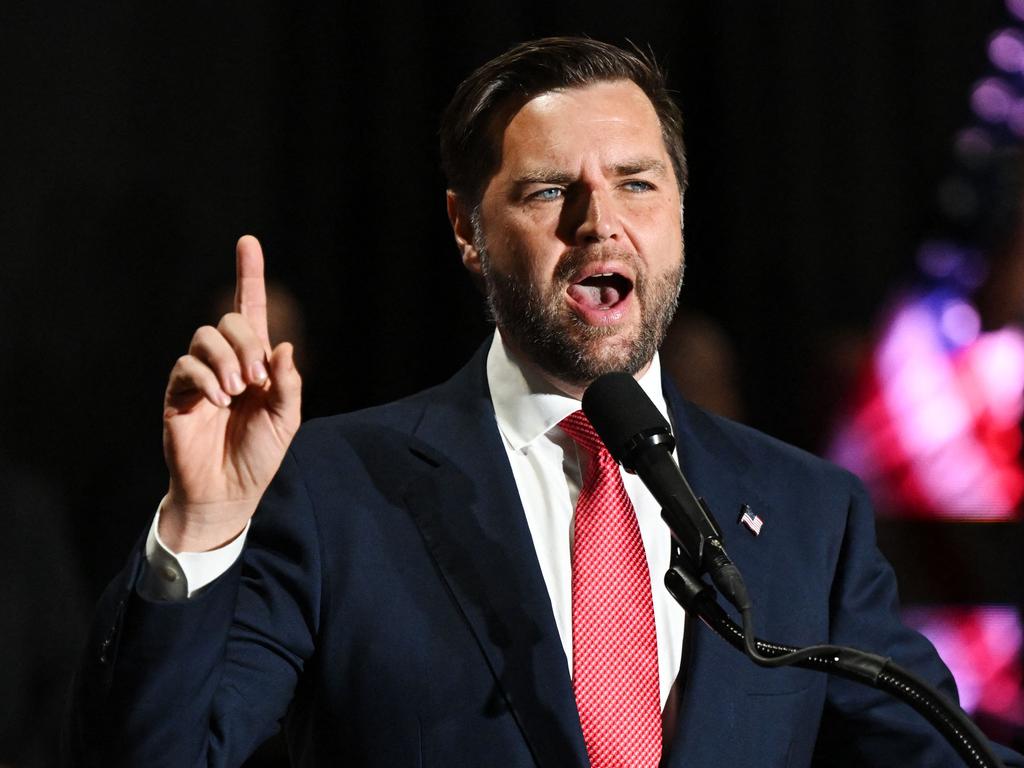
<point>203,335</point>
<point>230,320</point>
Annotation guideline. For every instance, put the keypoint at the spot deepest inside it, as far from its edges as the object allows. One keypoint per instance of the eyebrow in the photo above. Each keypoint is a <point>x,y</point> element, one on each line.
<point>558,176</point>
<point>544,176</point>
<point>642,165</point>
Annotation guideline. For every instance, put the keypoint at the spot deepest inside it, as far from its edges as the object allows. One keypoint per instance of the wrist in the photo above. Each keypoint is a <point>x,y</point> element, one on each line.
<point>201,526</point>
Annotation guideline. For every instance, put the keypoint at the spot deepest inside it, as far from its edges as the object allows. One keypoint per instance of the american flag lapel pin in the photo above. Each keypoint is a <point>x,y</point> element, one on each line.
<point>749,519</point>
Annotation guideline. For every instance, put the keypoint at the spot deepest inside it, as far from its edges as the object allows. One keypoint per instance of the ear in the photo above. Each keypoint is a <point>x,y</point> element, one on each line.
<point>462,227</point>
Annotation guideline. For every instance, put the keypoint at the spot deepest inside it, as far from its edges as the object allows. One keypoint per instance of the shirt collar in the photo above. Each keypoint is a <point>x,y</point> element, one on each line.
<point>527,407</point>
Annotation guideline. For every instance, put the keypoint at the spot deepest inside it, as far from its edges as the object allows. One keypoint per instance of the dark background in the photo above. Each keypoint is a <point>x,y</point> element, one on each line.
<point>138,141</point>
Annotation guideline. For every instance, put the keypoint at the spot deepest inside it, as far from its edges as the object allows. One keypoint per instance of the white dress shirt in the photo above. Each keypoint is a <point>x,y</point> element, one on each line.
<point>548,471</point>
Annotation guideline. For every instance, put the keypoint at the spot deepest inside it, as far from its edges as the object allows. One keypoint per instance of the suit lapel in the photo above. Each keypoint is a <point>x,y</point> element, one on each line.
<point>718,472</point>
<point>721,474</point>
<point>468,509</point>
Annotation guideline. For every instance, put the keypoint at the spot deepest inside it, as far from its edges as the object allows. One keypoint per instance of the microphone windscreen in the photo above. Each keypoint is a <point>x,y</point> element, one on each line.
<point>620,410</point>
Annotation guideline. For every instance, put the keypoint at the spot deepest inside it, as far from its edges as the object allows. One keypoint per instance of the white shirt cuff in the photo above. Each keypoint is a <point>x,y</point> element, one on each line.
<point>170,576</point>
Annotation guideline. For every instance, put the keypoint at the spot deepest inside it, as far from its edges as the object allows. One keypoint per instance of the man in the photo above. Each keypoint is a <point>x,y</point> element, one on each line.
<point>428,582</point>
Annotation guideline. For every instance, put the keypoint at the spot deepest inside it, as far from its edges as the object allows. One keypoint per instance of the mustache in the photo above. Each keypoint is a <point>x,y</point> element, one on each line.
<point>576,259</point>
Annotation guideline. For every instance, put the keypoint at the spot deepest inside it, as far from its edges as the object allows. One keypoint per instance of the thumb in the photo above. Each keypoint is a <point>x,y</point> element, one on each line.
<point>285,392</point>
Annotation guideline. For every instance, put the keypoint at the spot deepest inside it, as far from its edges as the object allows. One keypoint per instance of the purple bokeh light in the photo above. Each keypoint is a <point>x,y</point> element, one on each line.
<point>960,322</point>
<point>973,145</point>
<point>992,99</point>
<point>1006,50</point>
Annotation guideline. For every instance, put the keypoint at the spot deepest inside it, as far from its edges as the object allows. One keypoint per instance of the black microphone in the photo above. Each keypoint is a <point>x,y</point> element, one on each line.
<point>640,439</point>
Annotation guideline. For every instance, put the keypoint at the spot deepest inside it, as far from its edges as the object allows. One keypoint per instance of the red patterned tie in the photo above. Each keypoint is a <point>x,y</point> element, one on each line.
<point>614,643</point>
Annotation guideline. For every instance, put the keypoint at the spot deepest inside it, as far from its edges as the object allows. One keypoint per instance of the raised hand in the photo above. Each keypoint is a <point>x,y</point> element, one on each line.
<point>230,411</point>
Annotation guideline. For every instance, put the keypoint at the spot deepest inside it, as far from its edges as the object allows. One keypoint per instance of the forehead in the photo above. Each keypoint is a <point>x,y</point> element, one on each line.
<point>611,122</point>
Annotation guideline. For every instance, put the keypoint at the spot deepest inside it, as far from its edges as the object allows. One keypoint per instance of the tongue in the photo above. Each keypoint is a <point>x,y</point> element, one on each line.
<point>594,296</point>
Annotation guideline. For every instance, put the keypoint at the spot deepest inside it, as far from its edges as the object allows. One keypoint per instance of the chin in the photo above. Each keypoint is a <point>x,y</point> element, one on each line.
<point>587,359</point>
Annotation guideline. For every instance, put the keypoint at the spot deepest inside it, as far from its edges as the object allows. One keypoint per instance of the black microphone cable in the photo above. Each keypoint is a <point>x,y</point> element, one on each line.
<point>640,439</point>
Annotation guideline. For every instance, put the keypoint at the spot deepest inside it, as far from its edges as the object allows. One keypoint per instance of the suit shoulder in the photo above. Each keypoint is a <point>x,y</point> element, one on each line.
<point>769,456</point>
<point>376,434</point>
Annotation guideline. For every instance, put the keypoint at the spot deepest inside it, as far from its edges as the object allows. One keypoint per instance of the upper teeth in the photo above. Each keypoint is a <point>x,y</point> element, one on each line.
<point>604,274</point>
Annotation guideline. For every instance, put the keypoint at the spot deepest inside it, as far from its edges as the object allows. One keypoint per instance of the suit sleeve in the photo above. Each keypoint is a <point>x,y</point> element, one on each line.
<point>863,726</point>
<point>203,682</point>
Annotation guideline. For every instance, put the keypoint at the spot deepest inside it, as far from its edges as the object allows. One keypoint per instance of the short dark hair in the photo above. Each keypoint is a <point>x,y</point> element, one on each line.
<point>469,156</point>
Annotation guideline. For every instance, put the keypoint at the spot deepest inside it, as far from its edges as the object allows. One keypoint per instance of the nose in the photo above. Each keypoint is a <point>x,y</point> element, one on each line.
<point>599,219</point>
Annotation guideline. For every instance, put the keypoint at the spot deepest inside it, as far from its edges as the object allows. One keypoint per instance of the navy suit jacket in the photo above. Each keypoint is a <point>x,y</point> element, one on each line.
<point>389,610</point>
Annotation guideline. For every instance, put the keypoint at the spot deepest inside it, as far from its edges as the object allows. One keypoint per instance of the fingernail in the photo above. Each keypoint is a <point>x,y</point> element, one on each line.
<point>235,382</point>
<point>223,399</point>
<point>258,372</point>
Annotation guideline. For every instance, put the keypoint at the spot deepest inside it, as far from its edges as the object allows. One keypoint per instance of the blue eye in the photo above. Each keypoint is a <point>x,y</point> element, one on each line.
<point>638,186</point>
<point>551,193</point>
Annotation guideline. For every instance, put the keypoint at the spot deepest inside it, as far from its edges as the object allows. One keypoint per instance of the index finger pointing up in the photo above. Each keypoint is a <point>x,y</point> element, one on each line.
<point>250,289</point>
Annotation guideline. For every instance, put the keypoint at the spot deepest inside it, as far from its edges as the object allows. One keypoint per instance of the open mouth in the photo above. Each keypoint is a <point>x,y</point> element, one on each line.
<point>601,291</point>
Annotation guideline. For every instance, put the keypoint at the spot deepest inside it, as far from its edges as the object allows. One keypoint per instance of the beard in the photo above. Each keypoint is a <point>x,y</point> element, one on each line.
<point>556,339</point>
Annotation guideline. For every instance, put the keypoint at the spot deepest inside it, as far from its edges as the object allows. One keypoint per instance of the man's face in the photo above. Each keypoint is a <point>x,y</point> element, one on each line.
<point>578,236</point>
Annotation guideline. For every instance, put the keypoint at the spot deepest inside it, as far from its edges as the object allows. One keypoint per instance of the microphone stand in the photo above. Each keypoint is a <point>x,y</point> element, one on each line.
<point>639,438</point>
<point>699,597</point>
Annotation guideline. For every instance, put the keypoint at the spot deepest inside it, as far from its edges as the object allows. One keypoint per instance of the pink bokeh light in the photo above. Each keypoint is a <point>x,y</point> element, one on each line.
<point>981,645</point>
<point>934,430</point>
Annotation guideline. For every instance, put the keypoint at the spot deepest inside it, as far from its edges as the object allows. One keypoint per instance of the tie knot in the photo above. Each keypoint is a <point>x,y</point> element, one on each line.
<point>579,428</point>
